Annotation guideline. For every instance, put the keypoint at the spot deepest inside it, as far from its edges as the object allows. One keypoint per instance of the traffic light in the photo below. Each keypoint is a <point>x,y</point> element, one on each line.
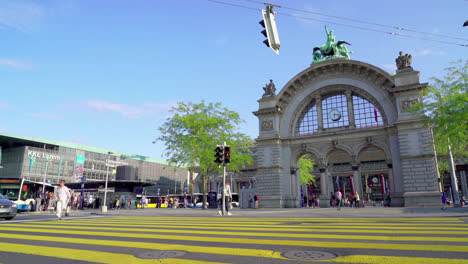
<point>219,155</point>
<point>227,155</point>
<point>270,31</point>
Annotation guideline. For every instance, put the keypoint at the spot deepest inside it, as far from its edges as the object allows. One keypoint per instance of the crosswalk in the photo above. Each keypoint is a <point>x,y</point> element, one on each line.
<point>187,240</point>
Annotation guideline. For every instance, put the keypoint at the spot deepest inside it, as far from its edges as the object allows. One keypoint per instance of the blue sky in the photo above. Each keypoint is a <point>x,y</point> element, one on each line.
<point>105,73</point>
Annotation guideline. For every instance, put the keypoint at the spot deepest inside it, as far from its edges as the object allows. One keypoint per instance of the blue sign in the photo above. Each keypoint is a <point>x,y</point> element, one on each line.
<point>83,178</point>
<point>47,181</point>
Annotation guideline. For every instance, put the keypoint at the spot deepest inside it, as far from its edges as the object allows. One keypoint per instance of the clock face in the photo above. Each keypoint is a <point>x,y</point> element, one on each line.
<point>334,114</point>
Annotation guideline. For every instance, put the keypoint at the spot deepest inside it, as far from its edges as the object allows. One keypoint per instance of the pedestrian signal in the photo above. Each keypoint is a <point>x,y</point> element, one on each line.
<point>227,155</point>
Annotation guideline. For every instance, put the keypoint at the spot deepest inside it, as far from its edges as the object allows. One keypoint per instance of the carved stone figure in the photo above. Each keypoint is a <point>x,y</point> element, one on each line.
<point>331,49</point>
<point>269,89</point>
<point>403,61</point>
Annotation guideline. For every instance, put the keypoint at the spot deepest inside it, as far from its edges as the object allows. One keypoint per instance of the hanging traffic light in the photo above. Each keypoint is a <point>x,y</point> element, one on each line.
<point>219,155</point>
<point>270,31</point>
<point>227,154</point>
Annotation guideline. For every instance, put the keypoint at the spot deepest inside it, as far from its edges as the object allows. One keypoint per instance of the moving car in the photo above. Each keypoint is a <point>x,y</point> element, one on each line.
<point>8,209</point>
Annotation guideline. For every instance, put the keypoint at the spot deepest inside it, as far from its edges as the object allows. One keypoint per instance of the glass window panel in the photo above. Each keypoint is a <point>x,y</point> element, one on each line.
<point>367,114</point>
<point>308,121</point>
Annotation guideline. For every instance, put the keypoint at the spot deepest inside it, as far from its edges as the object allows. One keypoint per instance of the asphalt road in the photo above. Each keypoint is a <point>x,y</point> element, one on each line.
<point>185,237</point>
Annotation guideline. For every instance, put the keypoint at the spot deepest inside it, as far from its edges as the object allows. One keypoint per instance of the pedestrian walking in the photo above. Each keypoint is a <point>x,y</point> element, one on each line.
<point>338,197</point>
<point>357,199</point>
<point>38,199</point>
<point>256,200</point>
<point>227,198</point>
<point>63,196</point>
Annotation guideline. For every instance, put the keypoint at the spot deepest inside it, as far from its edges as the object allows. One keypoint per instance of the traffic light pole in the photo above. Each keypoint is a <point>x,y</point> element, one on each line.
<point>224,186</point>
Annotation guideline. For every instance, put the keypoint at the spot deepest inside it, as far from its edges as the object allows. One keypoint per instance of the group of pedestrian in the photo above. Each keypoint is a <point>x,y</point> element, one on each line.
<point>44,200</point>
<point>338,200</point>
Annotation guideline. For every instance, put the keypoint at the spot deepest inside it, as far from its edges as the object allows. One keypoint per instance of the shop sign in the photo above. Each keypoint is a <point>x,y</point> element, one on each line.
<point>80,159</point>
<point>109,189</point>
<point>48,156</point>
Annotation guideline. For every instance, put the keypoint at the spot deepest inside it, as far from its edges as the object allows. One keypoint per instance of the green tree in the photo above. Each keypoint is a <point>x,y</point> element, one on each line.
<point>194,130</point>
<point>446,108</point>
<point>306,168</point>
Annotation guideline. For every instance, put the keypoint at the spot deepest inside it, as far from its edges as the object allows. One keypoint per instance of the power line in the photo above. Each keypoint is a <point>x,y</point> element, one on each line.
<point>364,22</point>
<point>344,25</point>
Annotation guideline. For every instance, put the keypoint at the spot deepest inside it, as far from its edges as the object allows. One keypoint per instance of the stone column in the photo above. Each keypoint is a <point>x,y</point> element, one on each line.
<point>349,99</point>
<point>357,182</point>
<point>318,102</point>
<point>390,178</point>
<point>324,195</point>
<point>463,183</point>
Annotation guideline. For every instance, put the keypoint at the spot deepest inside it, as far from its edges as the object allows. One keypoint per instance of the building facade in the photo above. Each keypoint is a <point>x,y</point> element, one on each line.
<point>352,118</point>
<point>42,159</point>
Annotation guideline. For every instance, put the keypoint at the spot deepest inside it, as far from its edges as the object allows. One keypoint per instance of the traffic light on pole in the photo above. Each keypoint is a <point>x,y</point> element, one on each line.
<point>227,154</point>
<point>219,155</point>
<point>270,31</point>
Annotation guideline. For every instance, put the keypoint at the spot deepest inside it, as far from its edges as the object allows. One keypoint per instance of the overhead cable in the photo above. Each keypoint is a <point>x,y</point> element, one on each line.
<point>364,22</point>
<point>344,25</point>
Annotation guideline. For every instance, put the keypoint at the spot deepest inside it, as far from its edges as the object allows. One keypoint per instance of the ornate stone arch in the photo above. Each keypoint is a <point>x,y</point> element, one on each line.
<point>298,151</point>
<point>331,149</point>
<point>376,144</point>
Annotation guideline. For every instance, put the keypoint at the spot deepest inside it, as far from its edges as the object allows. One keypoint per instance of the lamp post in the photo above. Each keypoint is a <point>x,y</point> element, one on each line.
<point>45,174</point>
<point>104,205</point>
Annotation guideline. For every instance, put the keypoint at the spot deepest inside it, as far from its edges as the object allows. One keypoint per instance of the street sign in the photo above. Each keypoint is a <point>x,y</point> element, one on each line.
<point>83,179</point>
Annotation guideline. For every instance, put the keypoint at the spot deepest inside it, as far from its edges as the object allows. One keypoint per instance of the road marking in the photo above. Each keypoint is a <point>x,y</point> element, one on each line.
<point>155,246</point>
<point>48,219</point>
<point>368,259</point>
<point>450,248</point>
<point>261,234</point>
<point>283,228</point>
<point>88,255</point>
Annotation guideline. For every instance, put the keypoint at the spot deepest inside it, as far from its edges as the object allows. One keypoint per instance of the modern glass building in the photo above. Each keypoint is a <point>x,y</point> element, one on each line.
<point>37,159</point>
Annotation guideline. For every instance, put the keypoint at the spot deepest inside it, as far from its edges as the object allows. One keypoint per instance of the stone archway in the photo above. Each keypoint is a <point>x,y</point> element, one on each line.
<point>349,106</point>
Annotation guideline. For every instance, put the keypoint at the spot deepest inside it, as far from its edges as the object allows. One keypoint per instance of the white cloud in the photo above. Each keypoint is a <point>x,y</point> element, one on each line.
<point>20,16</point>
<point>391,67</point>
<point>6,106</point>
<point>15,64</point>
<point>129,111</point>
<point>45,116</point>
<point>426,52</point>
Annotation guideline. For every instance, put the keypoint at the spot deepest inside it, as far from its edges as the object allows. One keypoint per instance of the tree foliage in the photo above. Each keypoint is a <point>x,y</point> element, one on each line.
<point>306,168</point>
<point>192,133</point>
<point>446,109</point>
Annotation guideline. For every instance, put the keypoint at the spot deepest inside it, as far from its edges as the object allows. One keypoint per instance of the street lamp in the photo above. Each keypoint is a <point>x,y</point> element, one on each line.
<point>104,205</point>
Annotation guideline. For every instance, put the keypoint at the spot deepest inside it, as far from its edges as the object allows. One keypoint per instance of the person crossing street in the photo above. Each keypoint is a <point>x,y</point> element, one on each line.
<point>63,196</point>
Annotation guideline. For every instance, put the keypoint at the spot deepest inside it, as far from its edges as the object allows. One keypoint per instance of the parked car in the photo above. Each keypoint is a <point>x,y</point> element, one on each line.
<point>8,209</point>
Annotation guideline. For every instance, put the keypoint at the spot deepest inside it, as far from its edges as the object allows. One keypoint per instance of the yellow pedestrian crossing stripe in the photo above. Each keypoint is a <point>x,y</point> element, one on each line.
<point>216,237</point>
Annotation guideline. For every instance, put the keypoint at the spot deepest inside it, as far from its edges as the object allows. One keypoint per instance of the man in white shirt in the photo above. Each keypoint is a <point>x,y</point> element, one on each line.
<point>227,198</point>
<point>63,196</point>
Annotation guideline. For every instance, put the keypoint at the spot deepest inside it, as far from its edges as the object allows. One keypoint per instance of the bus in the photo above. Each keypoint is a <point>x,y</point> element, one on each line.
<point>22,192</point>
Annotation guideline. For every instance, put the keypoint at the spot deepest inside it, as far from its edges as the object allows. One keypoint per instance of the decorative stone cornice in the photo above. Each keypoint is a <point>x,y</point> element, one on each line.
<point>267,111</point>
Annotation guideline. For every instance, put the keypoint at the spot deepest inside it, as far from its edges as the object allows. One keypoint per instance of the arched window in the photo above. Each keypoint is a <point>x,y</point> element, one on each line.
<point>335,111</point>
<point>365,113</point>
<point>308,122</point>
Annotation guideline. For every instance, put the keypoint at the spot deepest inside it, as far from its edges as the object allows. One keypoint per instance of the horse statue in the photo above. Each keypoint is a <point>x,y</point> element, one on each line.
<point>331,50</point>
